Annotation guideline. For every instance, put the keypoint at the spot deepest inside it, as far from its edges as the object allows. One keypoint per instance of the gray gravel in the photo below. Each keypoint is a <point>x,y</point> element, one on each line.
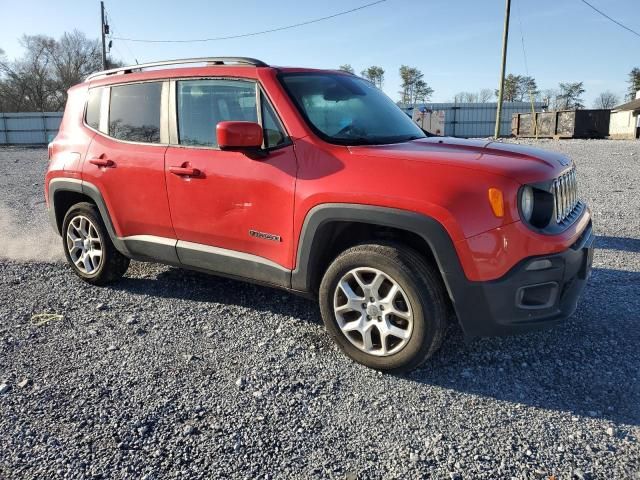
<point>174,374</point>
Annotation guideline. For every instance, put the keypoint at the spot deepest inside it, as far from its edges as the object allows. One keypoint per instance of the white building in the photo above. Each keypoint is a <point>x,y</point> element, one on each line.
<point>625,120</point>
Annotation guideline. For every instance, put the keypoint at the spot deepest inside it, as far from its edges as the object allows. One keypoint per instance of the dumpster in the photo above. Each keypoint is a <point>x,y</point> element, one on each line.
<point>562,124</point>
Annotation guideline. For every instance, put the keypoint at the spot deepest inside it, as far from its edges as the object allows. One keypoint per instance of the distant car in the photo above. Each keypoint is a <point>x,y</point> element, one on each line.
<point>314,181</point>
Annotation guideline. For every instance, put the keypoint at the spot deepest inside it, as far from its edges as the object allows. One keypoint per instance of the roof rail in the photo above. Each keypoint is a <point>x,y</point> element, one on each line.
<point>183,61</point>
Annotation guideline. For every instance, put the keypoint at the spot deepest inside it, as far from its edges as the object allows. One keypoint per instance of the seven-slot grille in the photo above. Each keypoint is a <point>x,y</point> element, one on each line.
<point>565,194</point>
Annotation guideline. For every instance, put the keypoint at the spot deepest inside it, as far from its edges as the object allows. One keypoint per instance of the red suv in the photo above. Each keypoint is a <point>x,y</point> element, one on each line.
<point>316,182</point>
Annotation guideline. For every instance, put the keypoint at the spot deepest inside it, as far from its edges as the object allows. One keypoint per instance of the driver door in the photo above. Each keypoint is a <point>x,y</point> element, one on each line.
<point>234,208</point>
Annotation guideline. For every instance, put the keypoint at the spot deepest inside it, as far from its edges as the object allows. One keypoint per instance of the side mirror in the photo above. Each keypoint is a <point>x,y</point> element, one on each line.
<point>243,137</point>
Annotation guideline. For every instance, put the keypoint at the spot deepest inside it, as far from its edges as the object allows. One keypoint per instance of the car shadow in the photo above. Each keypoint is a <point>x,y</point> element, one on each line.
<point>178,283</point>
<point>586,366</point>
<point>624,244</point>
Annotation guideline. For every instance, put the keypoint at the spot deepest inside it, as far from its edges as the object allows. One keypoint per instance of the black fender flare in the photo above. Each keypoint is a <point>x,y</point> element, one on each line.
<point>429,229</point>
<point>90,190</point>
<point>464,294</point>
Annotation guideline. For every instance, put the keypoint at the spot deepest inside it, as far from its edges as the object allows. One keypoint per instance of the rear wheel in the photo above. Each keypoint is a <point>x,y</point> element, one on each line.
<point>384,305</point>
<point>88,247</point>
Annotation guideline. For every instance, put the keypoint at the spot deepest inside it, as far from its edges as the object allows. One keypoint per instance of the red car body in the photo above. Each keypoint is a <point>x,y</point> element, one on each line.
<point>230,193</point>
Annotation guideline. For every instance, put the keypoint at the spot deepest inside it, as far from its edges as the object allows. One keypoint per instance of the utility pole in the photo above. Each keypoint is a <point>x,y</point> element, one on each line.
<point>102,32</point>
<point>505,38</point>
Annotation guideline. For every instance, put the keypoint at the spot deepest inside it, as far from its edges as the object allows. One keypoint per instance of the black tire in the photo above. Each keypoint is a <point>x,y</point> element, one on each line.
<point>112,265</point>
<point>423,287</point>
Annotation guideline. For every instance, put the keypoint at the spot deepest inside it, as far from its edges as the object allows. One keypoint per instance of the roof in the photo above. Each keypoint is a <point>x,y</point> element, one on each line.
<point>632,105</point>
<point>209,61</point>
<point>229,62</point>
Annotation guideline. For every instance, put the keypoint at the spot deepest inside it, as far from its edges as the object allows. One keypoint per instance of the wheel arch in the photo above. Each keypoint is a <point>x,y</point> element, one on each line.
<point>324,225</point>
<point>66,192</point>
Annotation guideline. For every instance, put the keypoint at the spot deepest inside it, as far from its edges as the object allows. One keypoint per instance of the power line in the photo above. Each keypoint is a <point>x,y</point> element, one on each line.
<point>524,51</point>
<point>526,70</point>
<point>115,47</point>
<point>126,45</point>
<point>608,17</point>
<point>278,29</point>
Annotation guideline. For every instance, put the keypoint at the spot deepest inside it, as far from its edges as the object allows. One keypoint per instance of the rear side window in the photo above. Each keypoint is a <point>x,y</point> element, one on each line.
<point>92,114</point>
<point>134,112</point>
<point>202,104</point>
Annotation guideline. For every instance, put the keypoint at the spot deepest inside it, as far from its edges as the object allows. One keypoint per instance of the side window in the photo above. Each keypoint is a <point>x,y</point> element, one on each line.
<point>274,135</point>
<point>134,112</point>
<point>204,103</point>
<point>92,114</point>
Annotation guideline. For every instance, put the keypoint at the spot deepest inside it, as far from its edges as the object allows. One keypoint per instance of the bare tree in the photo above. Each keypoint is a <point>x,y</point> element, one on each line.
<point>73,57</point>
<point>550,97</point>
<point>482,96</point>
<point>466,97</point>
<point>346,68</point>
<point>39,80</point>
<point>28,81</point>
<point>485,95</point>
<point>606,100</point>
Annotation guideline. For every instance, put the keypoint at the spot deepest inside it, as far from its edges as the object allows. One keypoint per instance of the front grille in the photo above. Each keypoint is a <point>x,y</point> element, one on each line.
<point>565,195</point>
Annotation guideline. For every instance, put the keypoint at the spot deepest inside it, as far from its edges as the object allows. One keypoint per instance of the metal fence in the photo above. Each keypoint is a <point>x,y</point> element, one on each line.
<point>461,120</point>
<point>29,128</point>
<point>479,119</point>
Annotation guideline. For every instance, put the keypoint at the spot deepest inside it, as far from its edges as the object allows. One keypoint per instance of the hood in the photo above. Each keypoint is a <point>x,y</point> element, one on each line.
<point>520,163</point>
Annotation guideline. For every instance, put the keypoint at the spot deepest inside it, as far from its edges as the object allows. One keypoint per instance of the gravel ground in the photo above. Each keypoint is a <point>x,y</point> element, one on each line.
<point>174,374</point>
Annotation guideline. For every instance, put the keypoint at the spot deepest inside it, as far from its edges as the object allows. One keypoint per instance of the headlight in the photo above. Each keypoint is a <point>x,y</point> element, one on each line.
<point>526,203</point>
<point>536,206</point>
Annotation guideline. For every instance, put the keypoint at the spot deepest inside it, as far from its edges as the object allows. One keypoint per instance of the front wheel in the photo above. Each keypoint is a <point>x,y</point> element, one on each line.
<point>88,247</point>
<point>384,305</point>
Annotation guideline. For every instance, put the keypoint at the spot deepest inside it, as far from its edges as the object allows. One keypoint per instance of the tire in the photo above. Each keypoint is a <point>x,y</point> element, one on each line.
<point>82,219</point>
<point>421,297</point>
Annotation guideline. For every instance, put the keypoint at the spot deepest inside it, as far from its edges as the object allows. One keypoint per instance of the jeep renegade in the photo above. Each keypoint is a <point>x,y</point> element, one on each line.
<point>316,182</point>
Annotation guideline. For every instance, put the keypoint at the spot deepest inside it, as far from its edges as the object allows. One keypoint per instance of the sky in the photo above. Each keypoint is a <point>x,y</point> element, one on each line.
<point>456,44</point>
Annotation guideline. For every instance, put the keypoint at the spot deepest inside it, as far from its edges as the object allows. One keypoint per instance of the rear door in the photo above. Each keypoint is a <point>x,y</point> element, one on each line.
<point>235,203</point>
<point>125,160</point>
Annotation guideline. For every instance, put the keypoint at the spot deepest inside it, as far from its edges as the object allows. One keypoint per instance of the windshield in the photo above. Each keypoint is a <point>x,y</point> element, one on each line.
<point>348,110</point>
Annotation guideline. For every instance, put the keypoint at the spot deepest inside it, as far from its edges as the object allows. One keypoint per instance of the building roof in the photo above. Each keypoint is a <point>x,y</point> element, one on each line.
<point>632,105</point>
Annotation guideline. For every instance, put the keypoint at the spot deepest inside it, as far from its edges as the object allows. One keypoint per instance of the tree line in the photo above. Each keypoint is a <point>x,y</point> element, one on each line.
<point>517,88</point>
<point>39,80</point>
<point>414,88</point>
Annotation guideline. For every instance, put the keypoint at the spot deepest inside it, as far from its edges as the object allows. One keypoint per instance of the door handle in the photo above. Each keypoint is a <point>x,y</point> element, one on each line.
<point>185,171</point>
<point>102,162</point>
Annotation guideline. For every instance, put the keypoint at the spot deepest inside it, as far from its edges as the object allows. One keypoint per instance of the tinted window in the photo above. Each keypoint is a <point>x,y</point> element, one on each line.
<point>92,115</point>
<point>134,112</point>
<point>204,103</point>
<point>274,135</point>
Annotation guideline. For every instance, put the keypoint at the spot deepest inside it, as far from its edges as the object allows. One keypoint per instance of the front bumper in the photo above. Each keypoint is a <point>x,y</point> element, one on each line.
<point>536,292</point>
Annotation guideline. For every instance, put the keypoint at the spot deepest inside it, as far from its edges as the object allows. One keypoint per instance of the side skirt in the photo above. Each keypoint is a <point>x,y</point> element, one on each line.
<point>208,259</point>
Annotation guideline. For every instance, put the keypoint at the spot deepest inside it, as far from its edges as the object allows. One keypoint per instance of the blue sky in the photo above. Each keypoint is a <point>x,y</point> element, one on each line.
<point>455,43</point>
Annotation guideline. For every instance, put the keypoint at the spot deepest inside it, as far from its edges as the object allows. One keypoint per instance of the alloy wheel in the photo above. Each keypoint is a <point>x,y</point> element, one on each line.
<point>84,244</point>
<point>373,311</point>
